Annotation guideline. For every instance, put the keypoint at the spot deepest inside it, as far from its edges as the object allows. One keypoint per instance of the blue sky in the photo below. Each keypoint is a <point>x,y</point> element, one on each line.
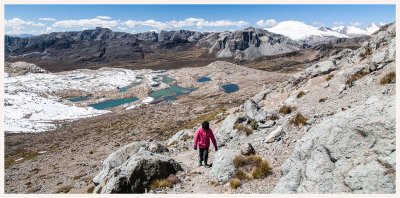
<point>39,19</point>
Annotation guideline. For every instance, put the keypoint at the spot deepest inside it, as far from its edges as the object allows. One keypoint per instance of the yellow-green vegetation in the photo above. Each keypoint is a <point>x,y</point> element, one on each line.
<point>368,51</point>
<point>161,183</point>
<point>286,109</point>
<point>20,156</point>
<point>322,99</point>
<point>90,190</point>
<point>273,117</point>
<point>256,167</point>
<point>329,77</point>
<point>235,183</point>
<point>254,124</point>
<point>355,77</point>
<point>261,170</point>
<point>243,128</point>
<point>301,93</point>
<point>390,78</point>
<point>298,120</point>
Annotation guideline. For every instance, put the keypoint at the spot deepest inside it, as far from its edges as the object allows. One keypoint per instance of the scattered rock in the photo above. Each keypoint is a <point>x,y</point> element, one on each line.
<point>248,150</point>
<point>268,124</point>
<point>342,87</point>
<point>174,178</point>
<point>181,135</point>
<point>261,95</point>
<point>321,68</point>
<point>274,135</point>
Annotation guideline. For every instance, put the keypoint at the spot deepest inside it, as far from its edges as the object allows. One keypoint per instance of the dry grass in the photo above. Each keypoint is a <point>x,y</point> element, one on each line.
<point>390,78</point>
<point>185,148</point>
<point>20,153</point>
<point>286,109</point>
<point>273,117</point>
<point>355,77</point>
<point>240,174</point>
<point>261,170</point>
<point>161,183</point>
<point>298,120</point>
<point>64,189</point>
<point>213,182</point>
<point>243,128</point>
<point>90,190</point>
<point>301,93</point>
<point>234,183</point>
<point>322,99</point>
<point>329,77</point>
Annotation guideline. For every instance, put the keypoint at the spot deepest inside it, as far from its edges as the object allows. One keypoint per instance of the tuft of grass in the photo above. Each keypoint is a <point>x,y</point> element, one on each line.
<point>273,117</point>
<point>243,128</point>
<point>261,170</point>
<point>355,77</point>
<point>90,190</point>
<point>213,182</point>
<point>239,161</point>
<point>240,174</point>
<point>322,99</point>
<point>298,120</point>
<point>234,183</point>
<point>91,152</point>
<point>161,183</point>
<point>254,125</point>
<point>329,77</point>
<point>286,109</point>
<point>20,153</point>
<point>390,78</point>
<point>99,190</point>
<point>301,93</point>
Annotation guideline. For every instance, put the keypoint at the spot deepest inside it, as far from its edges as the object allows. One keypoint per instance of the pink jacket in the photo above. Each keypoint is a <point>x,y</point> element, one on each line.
<point>203,138</point>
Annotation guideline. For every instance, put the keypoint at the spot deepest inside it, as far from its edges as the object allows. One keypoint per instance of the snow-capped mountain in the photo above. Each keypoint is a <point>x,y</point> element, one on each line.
<point>300,31</point>
<point>355,31</point>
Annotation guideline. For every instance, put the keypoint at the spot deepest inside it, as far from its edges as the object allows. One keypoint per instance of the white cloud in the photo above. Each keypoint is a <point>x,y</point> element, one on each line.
<point>50,29</point>
<point>338,23</point>
<point>122,28</point>
<point>87,23</point>
<point>382,23</point>
<point>47,19</point>
<point>18,24</point>
<point>185,23</point>
<point>355,23</point>
<point>103,17</point>
<point>269,23</point>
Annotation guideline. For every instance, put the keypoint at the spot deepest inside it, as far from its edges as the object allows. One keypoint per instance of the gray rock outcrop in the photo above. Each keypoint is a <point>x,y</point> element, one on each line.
<point>223,167</point>
<point>253,111</point>
<point>321,68</point>
<point>353,151</point>
<point>137,173</point>
<point>180,136</point>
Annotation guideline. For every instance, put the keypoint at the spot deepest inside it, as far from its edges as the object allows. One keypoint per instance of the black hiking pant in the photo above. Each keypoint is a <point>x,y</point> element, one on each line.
<point>203,153</point>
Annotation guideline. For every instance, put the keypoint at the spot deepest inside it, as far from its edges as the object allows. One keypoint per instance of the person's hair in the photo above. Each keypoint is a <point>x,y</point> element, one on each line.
<point>205,125</point>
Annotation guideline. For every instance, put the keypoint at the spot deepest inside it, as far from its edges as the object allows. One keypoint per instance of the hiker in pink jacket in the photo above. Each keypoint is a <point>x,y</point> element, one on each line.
<point>202,137</point>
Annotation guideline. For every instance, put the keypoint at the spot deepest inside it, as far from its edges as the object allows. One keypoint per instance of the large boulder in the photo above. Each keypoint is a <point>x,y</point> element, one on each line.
<point>223,167</point>
<point>137,173</point>
<point>261,95</point>
<point>226,131</point>
<point>352,151</point>
<point>253,111</point>
<point>117,158</point>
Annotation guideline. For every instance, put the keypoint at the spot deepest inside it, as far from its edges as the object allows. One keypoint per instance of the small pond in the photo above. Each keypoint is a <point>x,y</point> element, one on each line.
<point>165,79</point>
<point>204,79</point>
<point>169,94</point>
<point>230,88</point>
<point>77,99</point>
<point>113,103</point>
<point>77,78</point>
<point>124,89</point>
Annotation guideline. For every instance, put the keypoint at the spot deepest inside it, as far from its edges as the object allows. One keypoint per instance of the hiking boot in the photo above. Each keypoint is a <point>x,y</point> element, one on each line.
<point>206,165</point>
<point>200,164</point>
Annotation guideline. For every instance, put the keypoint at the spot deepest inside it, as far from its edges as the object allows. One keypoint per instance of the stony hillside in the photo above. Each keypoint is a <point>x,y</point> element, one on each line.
<point>331,129</point>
